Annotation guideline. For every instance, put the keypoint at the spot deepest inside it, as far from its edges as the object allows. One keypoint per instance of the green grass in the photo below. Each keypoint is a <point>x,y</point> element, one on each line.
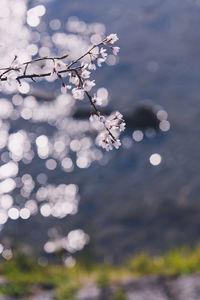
<point>175,263</point>
<point>119,295</point>
<point>24,275</point>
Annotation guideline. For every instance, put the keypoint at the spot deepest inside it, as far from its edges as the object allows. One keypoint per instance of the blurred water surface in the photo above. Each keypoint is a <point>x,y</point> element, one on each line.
<point>144,196</point>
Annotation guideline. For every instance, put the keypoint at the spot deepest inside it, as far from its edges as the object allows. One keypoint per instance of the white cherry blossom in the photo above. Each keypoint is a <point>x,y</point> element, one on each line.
<point>97,100</point>
<point>94,52</point>
<point>112,38</point>
<point>54,74</point>
<point>58,65</point>
<point>78,93</point>
<point>102,119</point>
<point>73,78</point>
<point>104,141</point>
<point>122,126</point>
<point>85,74</point>
<point>92,65</point>
<point>117,144</point>
<point>94,118</point>
<point>115,50</point>
<point>118,116</point>
<point>100,61</point>
<point>63,89</point>
<point>113,125</point>
<point>103,52</point>
<point>88,84</point>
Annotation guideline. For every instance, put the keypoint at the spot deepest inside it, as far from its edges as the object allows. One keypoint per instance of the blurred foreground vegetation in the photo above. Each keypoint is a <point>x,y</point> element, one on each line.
<point>23,275</point>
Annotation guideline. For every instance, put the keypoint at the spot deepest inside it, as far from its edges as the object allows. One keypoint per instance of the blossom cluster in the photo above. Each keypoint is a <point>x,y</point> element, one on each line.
<point>112,126</point>
<point>77,79</point>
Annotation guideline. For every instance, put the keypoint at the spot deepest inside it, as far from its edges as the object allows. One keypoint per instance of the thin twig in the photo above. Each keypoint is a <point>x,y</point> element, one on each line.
<point>93,105</point>
<point>31,76</point>
<point>88,52</point>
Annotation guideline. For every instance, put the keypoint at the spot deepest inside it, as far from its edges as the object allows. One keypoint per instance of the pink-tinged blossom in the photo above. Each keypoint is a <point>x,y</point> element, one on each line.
<point>118,116</point>
<point>88,84</point>
<point>104,141</point>
<point>73,79</point>
<point>91,66</point>
<point>102,119</point>
<point>64,88</point>
<point>54,74</point>
<point>60,65</point>
<point>106,122</point>
<point>115,50</point>
<point>112,38</point>
<point>107,142</point>
<point>97,100</point>
<point>85,74</point>
<point>113,125</point>
<point>78,93</point>
<point>57,66</point>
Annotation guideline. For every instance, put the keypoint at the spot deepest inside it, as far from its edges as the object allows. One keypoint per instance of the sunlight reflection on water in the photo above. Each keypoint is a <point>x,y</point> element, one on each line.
<point>59,140</point>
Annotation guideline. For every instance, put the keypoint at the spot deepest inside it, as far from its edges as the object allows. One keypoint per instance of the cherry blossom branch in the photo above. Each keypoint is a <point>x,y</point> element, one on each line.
<point>78,76</point>
<point>93,105</point>
<point>26,76</point>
